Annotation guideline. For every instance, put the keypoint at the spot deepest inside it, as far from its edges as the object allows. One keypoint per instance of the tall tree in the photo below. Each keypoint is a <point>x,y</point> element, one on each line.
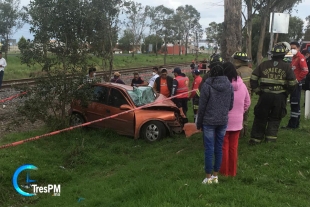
<point>136,22</point>
<point>232,36</point>
<point>307,30</point>
<point>155,25</point>
<point>126,41</point>
<point>214,33</point>
<point>68,31</point>
<point>153,40</point>
<point>164,18</point>
<point>189,22</point>
<point>104,23</point>
<point>10,20</point>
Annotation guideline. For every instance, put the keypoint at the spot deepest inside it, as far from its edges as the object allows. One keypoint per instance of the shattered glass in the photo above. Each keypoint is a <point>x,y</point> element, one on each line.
<point>142,95</point>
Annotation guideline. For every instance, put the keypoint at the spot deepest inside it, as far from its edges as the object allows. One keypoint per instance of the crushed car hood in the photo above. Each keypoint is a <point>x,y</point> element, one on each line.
<point>161,102</point>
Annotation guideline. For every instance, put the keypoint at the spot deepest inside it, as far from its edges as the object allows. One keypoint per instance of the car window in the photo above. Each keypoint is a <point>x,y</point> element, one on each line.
<point>142,95</point>
<point>101,94</point>
<point>116,98</point>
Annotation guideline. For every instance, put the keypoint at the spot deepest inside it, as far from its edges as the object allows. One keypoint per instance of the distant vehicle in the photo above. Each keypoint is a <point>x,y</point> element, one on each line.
<point>305,45</point>
<point>150,123</point>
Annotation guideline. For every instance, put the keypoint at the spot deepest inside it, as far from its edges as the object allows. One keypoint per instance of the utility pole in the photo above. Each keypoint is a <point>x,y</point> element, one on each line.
<point>271,35</point>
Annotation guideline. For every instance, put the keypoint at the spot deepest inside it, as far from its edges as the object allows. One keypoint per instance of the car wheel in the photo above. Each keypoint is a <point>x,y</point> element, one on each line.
<point>76,119</point>
<point>153,131</point>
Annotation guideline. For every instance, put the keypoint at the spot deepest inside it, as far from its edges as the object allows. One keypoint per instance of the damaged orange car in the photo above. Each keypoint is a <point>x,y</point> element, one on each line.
<point>151,123</point>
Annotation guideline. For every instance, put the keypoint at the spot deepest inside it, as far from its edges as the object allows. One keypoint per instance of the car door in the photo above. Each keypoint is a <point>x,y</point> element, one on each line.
<point>96,109</point>
<point>123,124</point>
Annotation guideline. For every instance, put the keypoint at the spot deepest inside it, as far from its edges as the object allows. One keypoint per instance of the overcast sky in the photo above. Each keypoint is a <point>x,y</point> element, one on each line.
<point>210,10</point>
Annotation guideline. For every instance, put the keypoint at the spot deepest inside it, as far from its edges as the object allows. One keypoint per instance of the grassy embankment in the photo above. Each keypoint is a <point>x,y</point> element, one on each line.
<point>16,70</point>
<point>111,170</point>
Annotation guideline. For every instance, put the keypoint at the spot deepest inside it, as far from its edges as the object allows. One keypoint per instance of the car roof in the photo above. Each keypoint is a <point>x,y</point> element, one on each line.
<point>116,85</point>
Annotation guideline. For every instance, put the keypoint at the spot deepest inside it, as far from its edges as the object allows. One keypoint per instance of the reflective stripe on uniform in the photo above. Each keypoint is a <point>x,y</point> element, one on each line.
<point>273,81</point>
<point>246,79</point>
<point>195,106</point>
<point>254,77</point>
<point>198,92</point>
<point>276,92</point>
<point>292,83</point>
<point>256,140</point>
<point>180,89</point>
<point>271,137</point>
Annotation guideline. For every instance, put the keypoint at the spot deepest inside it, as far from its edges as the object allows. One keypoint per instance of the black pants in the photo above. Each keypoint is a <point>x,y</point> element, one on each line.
<point>295,108</point>
<point>181,102</point>
<point>269,111</point>
<point>1,77</point>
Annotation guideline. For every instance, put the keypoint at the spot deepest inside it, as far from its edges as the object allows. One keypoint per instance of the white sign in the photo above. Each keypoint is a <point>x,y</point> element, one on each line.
<point>280,23</point>
<point>150,48</point>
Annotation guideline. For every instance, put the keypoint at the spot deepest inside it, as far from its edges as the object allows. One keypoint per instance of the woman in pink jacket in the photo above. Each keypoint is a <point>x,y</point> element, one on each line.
<point>242,102</point>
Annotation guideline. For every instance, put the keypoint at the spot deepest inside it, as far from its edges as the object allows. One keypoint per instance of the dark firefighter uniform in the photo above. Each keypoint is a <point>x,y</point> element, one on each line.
<point>241,61</point>
<point>273,80</point>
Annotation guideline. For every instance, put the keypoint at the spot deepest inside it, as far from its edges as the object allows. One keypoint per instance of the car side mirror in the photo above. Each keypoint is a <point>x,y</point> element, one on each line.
<point>125,107</point>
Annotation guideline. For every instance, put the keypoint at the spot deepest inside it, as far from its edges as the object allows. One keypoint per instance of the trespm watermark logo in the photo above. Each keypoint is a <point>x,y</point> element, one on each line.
<point>30,184</point>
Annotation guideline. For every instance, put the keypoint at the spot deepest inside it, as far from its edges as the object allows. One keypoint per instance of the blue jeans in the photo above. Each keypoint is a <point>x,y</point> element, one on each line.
<point>213,136</point>
<point>1,77</point>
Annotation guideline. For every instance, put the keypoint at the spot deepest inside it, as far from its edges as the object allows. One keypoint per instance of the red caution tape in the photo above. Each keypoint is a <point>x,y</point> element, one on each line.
<point>85,124</point>
<point>12,97</point>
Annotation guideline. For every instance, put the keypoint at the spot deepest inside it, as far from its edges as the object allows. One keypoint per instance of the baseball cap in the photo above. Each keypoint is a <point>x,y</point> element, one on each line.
<point>117,74</point>
<point>196,71</point>
<point>177,70</point>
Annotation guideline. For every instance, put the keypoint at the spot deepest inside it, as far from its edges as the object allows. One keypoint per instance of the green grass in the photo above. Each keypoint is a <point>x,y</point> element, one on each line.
<point>111,170</point>
<point>15,70</point>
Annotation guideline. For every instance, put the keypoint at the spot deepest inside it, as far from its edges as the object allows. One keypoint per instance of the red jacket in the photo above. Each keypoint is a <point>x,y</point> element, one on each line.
<point>299,65</point>
<point>182,86</point>
<point>195,86</point>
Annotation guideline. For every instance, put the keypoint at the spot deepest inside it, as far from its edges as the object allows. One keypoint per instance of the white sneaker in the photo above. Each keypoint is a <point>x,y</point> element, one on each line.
<point>214,179</point>
<point>207,181</point>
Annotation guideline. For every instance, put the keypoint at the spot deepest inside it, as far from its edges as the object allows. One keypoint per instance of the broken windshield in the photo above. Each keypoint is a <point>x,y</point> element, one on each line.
<point>142,95</point>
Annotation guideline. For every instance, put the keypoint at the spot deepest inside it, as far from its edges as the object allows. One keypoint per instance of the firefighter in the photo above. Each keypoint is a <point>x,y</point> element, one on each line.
<point>300,68</point>
<point>273,81</point>
<point>180,89</point>
<point>241,62</point>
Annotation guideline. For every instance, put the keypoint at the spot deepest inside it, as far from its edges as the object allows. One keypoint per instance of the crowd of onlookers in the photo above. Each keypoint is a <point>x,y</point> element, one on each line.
<point>222,97</point>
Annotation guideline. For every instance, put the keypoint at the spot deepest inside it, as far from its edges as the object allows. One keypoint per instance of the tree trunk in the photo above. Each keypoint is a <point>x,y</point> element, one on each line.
<point>165,56</point>
<point>232,28</point>
<point>186,43</point>
<point>180,46</point>
<point>156,46</point>
<point>6,47</point>
<point>265,17</point>
<point>249,29</point>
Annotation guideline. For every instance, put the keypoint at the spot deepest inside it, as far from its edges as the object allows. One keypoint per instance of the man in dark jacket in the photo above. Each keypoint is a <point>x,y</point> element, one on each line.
<point>273,81</point>
<point>216,100</point>
<point>117,78</point>
<point>137,80</point>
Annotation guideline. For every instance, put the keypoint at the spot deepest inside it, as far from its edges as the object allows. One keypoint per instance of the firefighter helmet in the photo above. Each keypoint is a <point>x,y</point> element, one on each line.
<point>278,50</point>
<point>241,56</point>
<point>281,48</point>
<point>216,59</point>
